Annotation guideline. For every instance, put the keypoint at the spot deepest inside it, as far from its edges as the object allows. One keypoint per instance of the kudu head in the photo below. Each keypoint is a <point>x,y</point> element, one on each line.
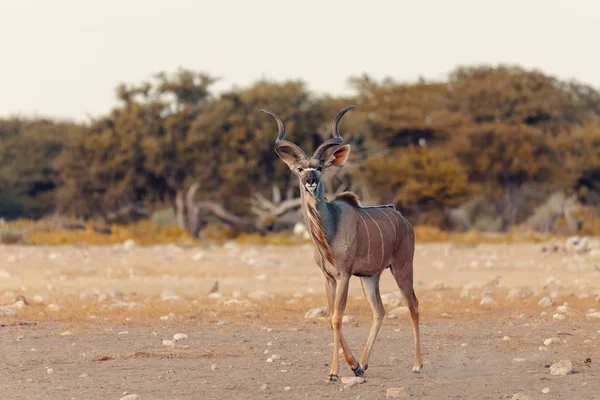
<point>309,169</point>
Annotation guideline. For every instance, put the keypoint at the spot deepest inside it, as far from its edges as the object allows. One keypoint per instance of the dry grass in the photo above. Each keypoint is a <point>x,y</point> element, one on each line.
<point>50,232</point>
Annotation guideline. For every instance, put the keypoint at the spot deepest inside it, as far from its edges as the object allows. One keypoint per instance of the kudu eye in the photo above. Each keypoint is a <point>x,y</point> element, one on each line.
<point>299,169</point>
<point>319,168</point>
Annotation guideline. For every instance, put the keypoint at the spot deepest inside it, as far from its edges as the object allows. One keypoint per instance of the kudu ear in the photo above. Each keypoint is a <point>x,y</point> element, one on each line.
<point>287,158</point>
<point>339,157</point>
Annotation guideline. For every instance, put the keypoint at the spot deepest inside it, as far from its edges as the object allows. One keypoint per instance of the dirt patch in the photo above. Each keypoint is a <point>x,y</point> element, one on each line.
<point>105,337</point>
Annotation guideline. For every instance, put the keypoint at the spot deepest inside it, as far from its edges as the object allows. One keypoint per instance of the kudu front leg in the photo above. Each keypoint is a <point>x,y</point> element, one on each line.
<point>331,289</point>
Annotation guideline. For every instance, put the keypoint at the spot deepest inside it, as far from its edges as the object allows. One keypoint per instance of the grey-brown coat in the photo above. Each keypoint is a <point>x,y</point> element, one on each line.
<point>351,240</point>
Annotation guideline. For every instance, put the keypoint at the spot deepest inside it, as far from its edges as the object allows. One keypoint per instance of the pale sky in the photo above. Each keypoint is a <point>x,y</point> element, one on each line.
<point>64,58</point>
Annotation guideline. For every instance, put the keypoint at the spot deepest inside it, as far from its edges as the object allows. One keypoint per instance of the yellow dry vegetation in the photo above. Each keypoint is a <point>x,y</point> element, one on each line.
<point>50,232</point>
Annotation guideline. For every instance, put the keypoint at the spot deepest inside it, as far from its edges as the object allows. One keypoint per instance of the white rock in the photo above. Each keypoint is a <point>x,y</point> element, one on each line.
<point>179,336</point>
<point>550,341</point>
<point>168,343</point>
<point>542,348</point>
<point>131,397</point>
<point>593,315</point>
<point>49,371</point>
<point>262,277</point>
<point>562,367</point>
<point>317,312</point>
<point>129,244</point>
<point>559,317</point>
<point>564,309</point>
<point>487,301</point>
<point>506,338</point>
<point>395,393</point>
<point>269,360</point>
<point>519,360</point>
<point>214,367</point>
<point>53,307</point>
<point>287,388</point>
<point>520,396</point>
<point>348,319</point>
<point>545,301</point>
<point>171,316</point>
<point>37,299</point>
<point>263,387</point>
<point>83,375</point>
<point>276,356</point>
<point>215,296</point>
<point>546,390</point>
<point>352,380</point>
<point>66,333</point>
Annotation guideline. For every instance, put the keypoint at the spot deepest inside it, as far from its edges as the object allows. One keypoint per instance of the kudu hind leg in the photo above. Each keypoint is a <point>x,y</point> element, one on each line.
<point>404,279</point>
<point>370,287</point>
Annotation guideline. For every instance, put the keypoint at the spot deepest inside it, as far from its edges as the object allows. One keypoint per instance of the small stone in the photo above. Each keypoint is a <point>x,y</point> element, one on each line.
<point>352,380</point>
<point>520,396</point>
<point>66,333</point>
<point>168,343</point>
<point>542,348</point>
<point>593,315</point>
<point>49,371</point>
<point>546,390</point>
<point>559,317</point>
<point>506,338</point>
<point>171,316</point>
<point>83,375</point>
<point>263,387</point>
<point>53,307</point>
<point>269,360</point>
<point>223,322</point>
<point>562,367</point>
<point>550,341</point>
<point>287,388</point>
<point>131,397</point>
<point>314,313</point>
<point>463,345</point>
<point>487,301</point>
<point>348,319</point>
<point>262,277</point>
<point>179,336</point>
<point>518,360</point>
<point>564,309</point>
<point>395,393</point>
<point>545,301</point>
<point>123,333</point>
<point>214,367</point>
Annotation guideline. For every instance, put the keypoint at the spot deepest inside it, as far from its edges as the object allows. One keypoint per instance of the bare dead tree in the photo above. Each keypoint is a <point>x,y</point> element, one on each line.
<point>268,213</point>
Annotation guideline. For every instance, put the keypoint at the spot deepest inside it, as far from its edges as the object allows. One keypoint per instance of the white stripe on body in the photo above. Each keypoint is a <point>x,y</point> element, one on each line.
<point>368,235</point>
<point>381,234</point>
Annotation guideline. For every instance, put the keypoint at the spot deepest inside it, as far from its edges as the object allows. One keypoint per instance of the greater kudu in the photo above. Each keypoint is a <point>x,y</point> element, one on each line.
<point>351,240</point>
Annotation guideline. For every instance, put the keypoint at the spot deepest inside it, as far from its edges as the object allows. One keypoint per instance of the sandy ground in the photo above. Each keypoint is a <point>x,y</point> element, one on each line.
<point>93,327</point>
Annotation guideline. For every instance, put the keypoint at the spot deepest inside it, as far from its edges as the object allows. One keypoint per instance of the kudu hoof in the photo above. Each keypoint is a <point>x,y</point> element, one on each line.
<point>359,371</point>
<point>333,378</point>
<point>417,370</point>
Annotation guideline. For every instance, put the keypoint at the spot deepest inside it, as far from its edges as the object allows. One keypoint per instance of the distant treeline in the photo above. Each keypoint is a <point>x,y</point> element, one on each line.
<point>486,148</point>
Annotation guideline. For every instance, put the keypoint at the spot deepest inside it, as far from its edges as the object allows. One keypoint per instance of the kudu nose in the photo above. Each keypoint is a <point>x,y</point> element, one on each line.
<point>311,181</point>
